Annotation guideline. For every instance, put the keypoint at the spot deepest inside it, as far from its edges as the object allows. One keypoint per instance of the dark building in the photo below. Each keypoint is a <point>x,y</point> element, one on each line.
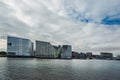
<point>106,55</point>
<point>89,55</point>
<point>83,55</point>
<point>118,57</point>
<point>75,55</point>
<point>96,56</point>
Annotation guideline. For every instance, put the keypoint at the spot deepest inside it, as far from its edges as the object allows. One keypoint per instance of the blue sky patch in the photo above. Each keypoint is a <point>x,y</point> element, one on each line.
<point>111,20</point>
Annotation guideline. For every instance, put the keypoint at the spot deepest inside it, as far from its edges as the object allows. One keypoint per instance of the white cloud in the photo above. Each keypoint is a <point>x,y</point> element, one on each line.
<point>47,20</point>
<point>92,9</point>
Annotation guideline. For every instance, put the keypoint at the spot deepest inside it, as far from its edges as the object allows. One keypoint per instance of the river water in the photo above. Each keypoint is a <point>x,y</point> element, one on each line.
<point>54,69</point>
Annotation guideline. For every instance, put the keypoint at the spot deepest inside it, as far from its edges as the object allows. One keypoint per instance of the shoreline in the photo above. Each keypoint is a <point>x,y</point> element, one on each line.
<point>54,58</point>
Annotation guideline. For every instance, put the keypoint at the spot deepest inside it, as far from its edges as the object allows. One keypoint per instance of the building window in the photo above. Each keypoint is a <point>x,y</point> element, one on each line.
<point>9,44</point>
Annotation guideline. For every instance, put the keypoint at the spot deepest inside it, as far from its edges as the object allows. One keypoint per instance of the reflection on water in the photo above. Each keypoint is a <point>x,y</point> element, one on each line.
<point>48,69</point>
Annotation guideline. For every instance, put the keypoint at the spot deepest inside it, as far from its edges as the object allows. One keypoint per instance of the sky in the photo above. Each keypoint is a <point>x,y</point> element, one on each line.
<point>87,25</point>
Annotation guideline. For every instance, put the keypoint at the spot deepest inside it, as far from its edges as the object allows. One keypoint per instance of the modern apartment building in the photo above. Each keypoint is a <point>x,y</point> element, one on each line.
<point>66,52</point>
<point>45,50</point>
<point>19,46</point>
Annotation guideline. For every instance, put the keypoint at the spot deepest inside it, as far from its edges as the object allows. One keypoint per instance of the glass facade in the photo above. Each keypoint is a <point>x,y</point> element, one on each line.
<point>66,52</point>
<point>45,50</point>
<point>18,46</point>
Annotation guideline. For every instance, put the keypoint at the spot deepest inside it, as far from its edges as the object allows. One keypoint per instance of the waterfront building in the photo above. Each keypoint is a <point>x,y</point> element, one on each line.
<point>106,55</point>
<point>58,50</point>
<point>45,50</point>
<point>89,55</point>
<point>95,56</point>
<point>75,55</point>
<point>83,55</point>
<point>118,57</point>
<point>66,52</point>
<point>17,46</point>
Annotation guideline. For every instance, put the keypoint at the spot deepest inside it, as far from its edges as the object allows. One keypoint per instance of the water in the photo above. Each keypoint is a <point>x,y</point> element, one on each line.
<point>48,69</point>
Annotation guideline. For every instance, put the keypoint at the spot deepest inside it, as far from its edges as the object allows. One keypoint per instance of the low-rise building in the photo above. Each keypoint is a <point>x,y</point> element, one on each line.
<point>83,55</point>
<point>106,55</point>
<point>89,55</point>
<point>75,55</point>
<point>95,56</point>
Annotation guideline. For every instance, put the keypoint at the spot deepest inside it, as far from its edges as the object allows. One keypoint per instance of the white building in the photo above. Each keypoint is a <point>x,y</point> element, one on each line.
<point>66,52</point>
<point>45,50</point>
<point>19,46</point>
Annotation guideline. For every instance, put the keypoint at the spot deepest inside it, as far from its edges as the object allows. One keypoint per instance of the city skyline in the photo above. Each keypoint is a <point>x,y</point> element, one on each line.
<point>85,26</point>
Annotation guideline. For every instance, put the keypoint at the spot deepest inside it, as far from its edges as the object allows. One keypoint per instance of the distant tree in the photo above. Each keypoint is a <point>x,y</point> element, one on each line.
<point>59,55</point>
<point>3,53</point>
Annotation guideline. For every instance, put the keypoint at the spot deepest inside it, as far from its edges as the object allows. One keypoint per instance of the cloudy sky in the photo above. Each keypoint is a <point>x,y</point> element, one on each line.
<point>87,25</point>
